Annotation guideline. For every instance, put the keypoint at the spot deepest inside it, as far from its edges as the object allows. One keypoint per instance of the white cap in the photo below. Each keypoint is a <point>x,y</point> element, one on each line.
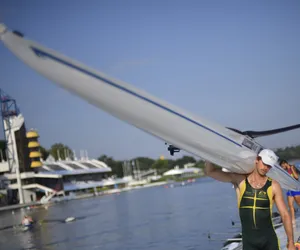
<point>268,157</point>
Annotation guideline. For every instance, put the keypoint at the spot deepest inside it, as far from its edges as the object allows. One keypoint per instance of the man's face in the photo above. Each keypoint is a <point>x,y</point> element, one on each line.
<point>284,165</point>
<point>262,168</point>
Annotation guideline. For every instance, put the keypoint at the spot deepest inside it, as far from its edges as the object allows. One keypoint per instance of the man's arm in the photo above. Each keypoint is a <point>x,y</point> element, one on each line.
<point>295,172</point>
<point>217,173</point>
<point>285,216</point>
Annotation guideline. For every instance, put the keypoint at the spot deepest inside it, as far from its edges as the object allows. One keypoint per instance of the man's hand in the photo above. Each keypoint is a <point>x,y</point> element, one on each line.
<point>295,172</point>
<point>285,216</point>
<point>290,246</point>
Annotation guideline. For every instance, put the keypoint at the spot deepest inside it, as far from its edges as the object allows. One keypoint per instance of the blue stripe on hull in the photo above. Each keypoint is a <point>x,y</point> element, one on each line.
<point>41,53</point>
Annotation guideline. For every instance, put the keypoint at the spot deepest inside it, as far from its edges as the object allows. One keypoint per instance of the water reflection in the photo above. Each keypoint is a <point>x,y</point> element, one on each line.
<point>154,218</point>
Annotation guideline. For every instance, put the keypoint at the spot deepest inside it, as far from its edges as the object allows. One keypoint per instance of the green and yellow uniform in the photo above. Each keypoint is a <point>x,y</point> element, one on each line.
<point>255,208</point>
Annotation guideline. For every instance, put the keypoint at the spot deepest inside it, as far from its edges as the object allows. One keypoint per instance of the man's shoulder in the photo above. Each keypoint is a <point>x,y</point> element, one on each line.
<point>239,178</point>
<point>274,182</point>
<point>275,185</point>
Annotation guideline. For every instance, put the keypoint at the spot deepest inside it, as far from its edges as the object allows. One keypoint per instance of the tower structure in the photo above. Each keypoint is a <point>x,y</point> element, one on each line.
<point>9,111</point>
<point>34,149</point>
<point>13,125</point>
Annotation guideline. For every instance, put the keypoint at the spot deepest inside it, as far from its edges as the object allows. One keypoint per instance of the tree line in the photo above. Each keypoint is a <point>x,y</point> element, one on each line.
<point>62,151</point>
<point>161,165</point>
<point>145,163</point>
<point>289,153</point>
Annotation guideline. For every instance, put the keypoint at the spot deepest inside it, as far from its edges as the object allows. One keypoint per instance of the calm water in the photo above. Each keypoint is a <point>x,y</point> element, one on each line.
<point>152,218</point>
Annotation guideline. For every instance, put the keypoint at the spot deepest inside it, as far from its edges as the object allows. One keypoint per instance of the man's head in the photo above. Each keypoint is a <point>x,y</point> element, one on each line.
<point>284,164</point>
<point>265,160</point>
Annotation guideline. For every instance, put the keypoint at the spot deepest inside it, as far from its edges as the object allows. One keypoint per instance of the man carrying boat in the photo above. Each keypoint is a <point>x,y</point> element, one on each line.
<point>291,195</point>
<point>256,194</point>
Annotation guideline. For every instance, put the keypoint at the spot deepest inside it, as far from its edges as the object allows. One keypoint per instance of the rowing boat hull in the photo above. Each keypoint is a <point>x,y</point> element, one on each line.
<point>187,131</point>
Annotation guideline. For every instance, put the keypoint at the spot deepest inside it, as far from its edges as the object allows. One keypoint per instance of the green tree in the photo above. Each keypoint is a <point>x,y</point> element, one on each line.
<point>184,160</point>
<point>62,150</point>
<point>2,144</point>
<point>116,166</point>
<point>199,164</point>
<point>289,153</point>
<point>45,153</point>
<point>145,163</point>
<point>103,158</point>
<point>161,166</point>
<point>3,150</point>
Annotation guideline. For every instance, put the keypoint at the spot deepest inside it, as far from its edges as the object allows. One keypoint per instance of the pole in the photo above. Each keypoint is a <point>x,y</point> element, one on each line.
<point>139,172</point>
<point>58,155</point>
<point>123,168</point>
<point>16,160</point>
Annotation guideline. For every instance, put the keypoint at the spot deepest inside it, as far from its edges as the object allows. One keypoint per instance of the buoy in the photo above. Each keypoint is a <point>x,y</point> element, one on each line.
<point>69,219</point>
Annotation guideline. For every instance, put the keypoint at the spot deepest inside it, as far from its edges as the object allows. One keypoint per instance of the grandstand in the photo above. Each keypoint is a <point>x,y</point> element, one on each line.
<point>73,167</point>
<point>25,177</point>
<point>63,177</point>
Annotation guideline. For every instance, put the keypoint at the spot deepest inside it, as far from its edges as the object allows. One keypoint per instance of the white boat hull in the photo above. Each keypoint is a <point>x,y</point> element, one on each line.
<point>175,126</point>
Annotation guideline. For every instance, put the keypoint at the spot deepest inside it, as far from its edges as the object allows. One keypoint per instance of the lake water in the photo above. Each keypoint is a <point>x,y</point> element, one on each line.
<point>157,218</point>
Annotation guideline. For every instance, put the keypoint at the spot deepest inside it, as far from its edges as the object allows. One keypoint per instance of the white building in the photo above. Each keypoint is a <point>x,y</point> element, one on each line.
<point>187,171</point>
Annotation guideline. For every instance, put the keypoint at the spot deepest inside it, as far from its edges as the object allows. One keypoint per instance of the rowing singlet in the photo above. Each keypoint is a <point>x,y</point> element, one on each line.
<point>290,171</point>
<point>255,208</point>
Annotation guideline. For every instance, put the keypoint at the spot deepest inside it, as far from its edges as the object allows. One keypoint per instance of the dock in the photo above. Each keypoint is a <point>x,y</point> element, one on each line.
<point>280,231</point>
<point>18,206</point>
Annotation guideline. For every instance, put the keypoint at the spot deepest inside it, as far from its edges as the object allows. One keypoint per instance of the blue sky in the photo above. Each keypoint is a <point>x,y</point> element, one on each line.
<point>234,62</point>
